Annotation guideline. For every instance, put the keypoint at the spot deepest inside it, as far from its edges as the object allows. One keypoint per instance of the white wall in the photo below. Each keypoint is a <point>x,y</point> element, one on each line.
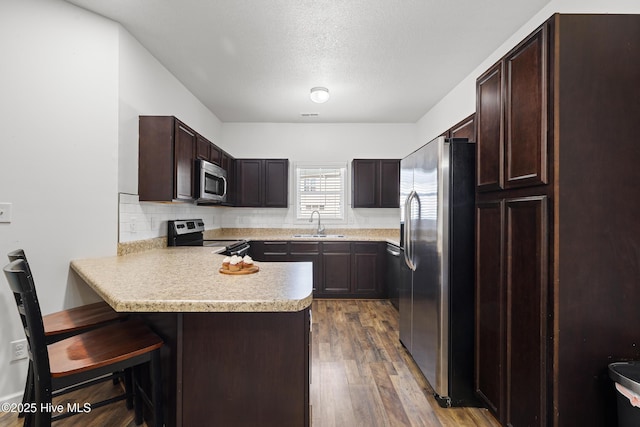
<point>147,88</point>
<point>73,85</point>
<point>58,154</point>
<point>460,102</point>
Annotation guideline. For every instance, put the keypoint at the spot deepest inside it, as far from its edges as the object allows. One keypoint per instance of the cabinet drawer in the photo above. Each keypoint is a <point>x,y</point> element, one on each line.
<point>336,247</point>
<point>304,248</point>
<point>365,247</point>
<point>275,248</point>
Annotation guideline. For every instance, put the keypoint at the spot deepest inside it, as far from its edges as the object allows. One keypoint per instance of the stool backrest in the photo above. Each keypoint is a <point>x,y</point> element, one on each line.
<point>21,284</point>
<point>19,254</point>
<point>16,255</point>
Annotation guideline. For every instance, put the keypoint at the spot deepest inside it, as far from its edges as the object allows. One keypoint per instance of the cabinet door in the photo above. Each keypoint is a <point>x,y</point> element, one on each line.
<point>276,183</point>
<point>156,164</point>
<point>228,163</point>
<point>490,306</point>
<point>364,185</point>
<point>185,141</point>
<point>202,148</point>
<point>389,183</point>
<point>336,268</point>
<point>367,274</point>
<point>465,129</point>
<point>249,188</point>
<point>527,330</point>
<point>526,113</point>
<point>215,155</point>
<point>489,129</point>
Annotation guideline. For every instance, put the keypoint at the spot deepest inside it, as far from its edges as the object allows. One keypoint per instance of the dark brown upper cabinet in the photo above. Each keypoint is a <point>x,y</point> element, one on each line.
<point>210,152</point>
<point>490,128</point>
<point>511,107</point>
<point>525,136</point>
<point>203,148</point>
<point>262,183</point>
<point>165,159</point>
<point>167,152</point>
<point>466,128</point>
<point>375,183</point>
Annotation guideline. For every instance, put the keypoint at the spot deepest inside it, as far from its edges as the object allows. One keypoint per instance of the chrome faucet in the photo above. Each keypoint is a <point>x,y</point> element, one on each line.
<point>320,227</point>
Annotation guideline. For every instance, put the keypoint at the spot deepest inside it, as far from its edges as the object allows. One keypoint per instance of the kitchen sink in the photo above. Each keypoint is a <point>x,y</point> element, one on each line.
<point>324,236</point>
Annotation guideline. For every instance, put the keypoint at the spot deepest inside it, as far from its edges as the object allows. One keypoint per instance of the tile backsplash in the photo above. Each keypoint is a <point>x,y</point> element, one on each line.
<point>148,220</point>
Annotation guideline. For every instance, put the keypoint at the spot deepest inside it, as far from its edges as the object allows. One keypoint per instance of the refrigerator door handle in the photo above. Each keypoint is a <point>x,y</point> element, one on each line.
<point>408,249</point>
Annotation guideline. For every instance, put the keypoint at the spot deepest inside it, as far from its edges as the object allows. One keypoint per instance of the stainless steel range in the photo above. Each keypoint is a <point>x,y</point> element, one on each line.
<point>190,232</point>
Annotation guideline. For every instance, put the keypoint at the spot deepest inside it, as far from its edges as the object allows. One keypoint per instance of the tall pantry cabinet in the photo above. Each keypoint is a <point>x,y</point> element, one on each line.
<point>557,230</point>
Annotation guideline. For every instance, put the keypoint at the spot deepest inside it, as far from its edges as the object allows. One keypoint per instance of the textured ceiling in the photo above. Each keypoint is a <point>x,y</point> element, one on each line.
<point>256,60</point>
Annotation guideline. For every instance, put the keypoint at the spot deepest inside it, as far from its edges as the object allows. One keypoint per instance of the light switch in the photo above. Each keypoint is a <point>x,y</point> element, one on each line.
<point>5,212</point>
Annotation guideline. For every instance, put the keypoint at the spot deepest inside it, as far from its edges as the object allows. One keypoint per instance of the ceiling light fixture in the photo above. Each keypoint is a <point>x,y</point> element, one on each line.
<point>319,94</point>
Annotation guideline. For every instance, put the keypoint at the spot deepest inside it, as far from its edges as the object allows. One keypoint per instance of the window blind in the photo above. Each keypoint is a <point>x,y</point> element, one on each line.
<point>321,189</point>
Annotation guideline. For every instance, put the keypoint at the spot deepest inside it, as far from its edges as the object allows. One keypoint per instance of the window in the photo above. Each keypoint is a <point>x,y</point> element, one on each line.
<point>322,189</point>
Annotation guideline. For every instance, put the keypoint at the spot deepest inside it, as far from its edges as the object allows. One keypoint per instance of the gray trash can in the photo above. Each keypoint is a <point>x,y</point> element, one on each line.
<point>627,378</point>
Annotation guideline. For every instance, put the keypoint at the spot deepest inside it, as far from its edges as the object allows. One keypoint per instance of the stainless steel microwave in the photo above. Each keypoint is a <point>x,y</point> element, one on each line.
<point>211,183</point>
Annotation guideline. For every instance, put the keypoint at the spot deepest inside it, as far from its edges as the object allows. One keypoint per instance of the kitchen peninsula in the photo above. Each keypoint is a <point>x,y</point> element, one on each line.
<point>236,347</point>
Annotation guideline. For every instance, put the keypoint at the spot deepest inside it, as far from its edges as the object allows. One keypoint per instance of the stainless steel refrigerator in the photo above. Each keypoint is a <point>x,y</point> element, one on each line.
<point>437,196</point>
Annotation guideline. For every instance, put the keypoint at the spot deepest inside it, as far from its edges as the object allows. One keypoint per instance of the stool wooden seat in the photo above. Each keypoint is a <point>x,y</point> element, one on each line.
<point>66,323</point>
<point>85,358</point>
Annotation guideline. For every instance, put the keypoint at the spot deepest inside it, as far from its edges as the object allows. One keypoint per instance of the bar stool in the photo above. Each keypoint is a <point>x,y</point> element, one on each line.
<point>84,359</point>
<point>66,323</point>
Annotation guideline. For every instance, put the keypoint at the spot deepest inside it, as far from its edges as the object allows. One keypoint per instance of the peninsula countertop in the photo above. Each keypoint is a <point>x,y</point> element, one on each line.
<point>187,279</point>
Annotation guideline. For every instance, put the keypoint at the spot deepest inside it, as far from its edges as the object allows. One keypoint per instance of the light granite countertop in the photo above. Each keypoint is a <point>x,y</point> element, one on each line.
<point>187,279</point>
<point>389,235</point>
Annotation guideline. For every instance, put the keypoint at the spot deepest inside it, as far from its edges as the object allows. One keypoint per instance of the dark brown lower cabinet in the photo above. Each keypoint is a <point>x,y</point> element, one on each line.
<point>511,308</point>
<point>235,369</point>
<point>336,268</point>
<point>490,306</point>
<point>340,269</point>
<point>367,275</point>
<point>526,283</point>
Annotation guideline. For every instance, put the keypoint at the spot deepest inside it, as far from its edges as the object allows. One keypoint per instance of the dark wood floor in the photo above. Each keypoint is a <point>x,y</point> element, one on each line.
<point>361,376</point>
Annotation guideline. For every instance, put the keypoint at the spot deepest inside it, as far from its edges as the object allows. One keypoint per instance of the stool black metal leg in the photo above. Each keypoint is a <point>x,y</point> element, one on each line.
<point>27,396</point>
<point>129,387</point>
<point>156,390</point>
<point>137,395</point>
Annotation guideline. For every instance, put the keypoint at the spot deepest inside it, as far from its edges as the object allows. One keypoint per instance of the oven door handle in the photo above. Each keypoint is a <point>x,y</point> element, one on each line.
<point>240,251</point>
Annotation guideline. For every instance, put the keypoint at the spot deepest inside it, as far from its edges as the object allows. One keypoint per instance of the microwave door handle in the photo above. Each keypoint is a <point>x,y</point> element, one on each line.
<point>224,191</point>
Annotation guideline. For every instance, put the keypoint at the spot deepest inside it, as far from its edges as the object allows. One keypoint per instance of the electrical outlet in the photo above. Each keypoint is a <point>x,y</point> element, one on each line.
<point>132,225</point>
<point>19,350</point>
<point>5,212</point>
